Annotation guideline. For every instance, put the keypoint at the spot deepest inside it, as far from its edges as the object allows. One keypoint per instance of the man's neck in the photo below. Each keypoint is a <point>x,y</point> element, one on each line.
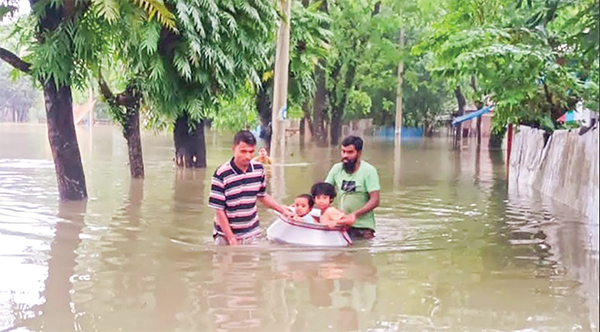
<point>242,168</point>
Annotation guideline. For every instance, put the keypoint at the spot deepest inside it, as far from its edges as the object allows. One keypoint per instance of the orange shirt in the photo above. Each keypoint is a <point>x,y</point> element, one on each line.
<point>331,215</point>
<point>264,161</point>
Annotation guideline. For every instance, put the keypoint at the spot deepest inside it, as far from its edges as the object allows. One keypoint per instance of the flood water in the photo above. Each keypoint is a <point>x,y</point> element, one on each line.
<point>455,249</point>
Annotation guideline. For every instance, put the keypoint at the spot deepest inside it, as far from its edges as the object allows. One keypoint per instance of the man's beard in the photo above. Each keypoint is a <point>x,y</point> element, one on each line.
<point>348,165</point>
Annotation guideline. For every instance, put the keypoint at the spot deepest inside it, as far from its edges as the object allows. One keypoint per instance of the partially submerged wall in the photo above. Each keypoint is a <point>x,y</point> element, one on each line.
<point>565,168</point>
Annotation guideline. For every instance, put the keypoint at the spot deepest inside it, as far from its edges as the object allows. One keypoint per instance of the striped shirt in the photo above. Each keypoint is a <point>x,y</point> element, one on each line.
<point>236,192</point>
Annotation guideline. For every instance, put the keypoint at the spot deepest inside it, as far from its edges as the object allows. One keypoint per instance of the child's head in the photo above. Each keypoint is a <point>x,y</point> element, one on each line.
<point>303,204</point>
<point>323,193</point>
<point>263,152</point>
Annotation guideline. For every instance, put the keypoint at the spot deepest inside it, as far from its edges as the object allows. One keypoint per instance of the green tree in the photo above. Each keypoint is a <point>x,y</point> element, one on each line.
<point>62,40</point>
<point>352,25</point>
<point>58,44</point>
<point>130,50</point>
<point>215,50</point>
<point>424,97</point>
<point>535,60</point>
<point>309,43</point>
<point>18,95</point>
<point>364,64</point>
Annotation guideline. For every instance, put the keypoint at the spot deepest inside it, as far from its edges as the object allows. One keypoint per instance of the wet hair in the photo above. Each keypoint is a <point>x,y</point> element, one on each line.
<point>323,188</point>
<point>311,201</point>
<point>244,136</point>
<point>353,140</point>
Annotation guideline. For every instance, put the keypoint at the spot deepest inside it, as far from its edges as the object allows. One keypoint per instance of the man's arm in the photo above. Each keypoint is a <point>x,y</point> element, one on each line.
<point>270,203</point>
<point>371,204</point>
<point>373,187</point>
<point>216,200</point>
<point>223,223</point>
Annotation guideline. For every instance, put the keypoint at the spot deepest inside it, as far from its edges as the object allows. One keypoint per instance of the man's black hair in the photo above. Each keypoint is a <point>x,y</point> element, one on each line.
<point>323,188</point>
<point>311,200</point>
<point>353,140</point>
<point>244,136</point>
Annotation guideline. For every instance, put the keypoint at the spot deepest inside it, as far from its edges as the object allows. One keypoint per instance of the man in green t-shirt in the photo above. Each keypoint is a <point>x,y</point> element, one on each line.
<point>357,184</point>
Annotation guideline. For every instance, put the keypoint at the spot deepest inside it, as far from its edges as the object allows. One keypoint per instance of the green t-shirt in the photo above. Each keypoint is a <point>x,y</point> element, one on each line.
<point>353,190</point>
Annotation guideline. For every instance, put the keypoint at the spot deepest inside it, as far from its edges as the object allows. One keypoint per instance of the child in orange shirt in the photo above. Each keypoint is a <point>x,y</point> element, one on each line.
<point>324,193</point>
<point>263,157</point>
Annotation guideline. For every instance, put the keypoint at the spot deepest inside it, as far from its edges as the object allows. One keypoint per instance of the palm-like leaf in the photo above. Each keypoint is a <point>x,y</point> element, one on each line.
<point>157,8</point>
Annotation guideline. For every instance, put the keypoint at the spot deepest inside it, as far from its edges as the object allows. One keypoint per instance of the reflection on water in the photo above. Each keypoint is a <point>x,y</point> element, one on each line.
<point>455,248</point>
<point>56,312</point>
<point>397,163</point>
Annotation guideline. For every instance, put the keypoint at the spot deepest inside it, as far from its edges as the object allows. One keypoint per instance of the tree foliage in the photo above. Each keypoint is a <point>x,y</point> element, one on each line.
<point>217,48</point>
<point>311,42</point>
<point>534,60</point>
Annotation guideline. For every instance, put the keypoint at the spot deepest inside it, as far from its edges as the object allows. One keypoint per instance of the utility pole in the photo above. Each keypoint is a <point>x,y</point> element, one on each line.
<point>280,81</point>
<point>399,105</point>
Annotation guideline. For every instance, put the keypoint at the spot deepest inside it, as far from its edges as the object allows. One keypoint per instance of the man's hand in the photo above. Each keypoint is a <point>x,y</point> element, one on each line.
<point>232,240</point>
<point>269,202</point>
<point>348,219</point>
<point>331,223</point>
<point>371,204</point>
<point>287,212</point>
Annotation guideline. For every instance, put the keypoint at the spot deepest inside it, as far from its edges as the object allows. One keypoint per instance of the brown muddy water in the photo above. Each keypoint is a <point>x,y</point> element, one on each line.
<point>455,249</point>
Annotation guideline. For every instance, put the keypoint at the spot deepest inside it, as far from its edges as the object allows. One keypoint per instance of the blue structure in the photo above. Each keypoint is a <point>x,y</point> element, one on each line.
<point>470,116</point>
<point>406,134</point>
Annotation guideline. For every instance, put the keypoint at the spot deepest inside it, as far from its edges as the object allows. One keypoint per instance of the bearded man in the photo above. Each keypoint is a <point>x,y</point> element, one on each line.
<point>357,185</point>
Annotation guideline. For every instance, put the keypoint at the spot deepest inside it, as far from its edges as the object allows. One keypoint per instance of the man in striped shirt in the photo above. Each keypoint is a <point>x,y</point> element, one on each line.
<point>235,188</point>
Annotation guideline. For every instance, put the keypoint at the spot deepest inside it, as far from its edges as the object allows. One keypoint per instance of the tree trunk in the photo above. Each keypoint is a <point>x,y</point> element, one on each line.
<point>335,130</point>
<point>555,111</point>
<point>22,115</point>
<point>319,133</point>
<point>478,132</point>
<point>302,130</point>
<point>190,146</point>
<point>479,105</point>
<point>427,129</point>
<point>130,99</point>
<point>59,108</point>
<point>131,131</point>
<point>338,105</point>
<point>306,121</point>
<point>495,142</point>
<point>63,142</point>
<point>263,105</point>
<point>461,111</point>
